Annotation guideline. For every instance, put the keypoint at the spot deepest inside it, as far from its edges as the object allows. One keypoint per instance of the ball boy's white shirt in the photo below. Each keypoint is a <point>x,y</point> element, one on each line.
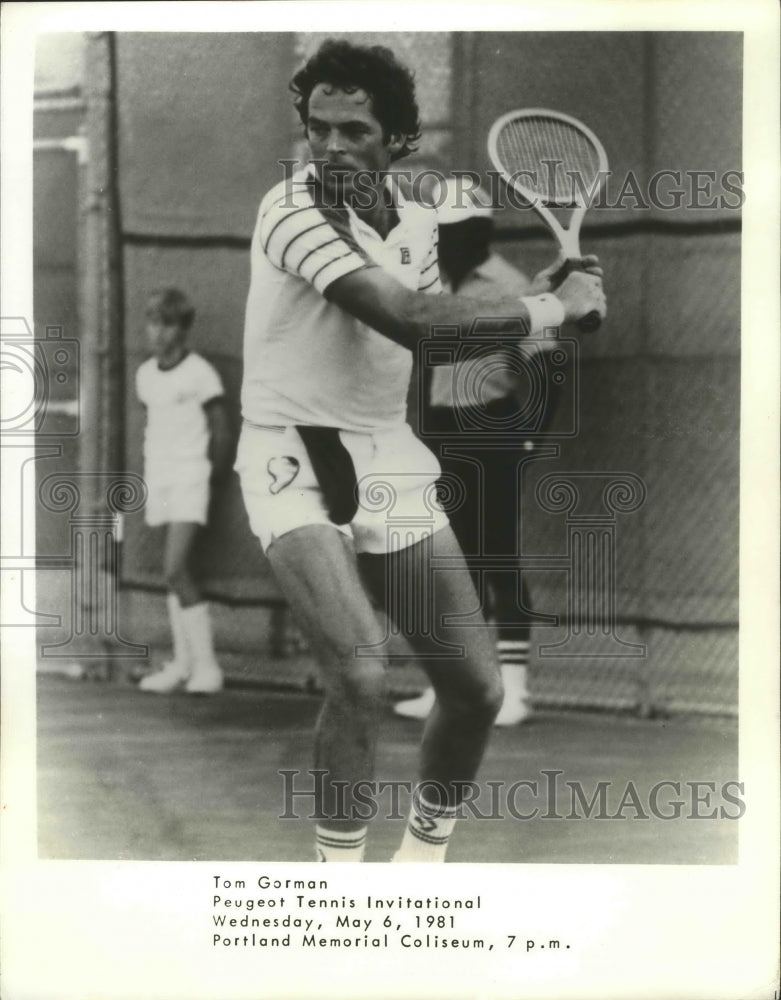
<point>177,430</point>
<point>306,360</point>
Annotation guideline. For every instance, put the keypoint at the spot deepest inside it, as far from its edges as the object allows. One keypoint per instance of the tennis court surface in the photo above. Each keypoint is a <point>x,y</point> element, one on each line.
<point>124,775</point>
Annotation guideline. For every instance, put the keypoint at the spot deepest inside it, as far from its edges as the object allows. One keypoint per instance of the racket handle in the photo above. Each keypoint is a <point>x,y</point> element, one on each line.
<point>591,321</point>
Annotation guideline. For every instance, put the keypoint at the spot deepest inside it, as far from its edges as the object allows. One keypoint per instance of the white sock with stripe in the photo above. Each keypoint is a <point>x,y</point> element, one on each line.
<point>338,845</point>
<point>428,831</point>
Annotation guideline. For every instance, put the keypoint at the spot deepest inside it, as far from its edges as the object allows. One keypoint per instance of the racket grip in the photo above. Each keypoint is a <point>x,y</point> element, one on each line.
<point>591,321</point>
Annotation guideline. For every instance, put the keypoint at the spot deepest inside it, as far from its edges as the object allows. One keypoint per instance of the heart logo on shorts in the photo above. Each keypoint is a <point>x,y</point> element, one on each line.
<point>283,471</point>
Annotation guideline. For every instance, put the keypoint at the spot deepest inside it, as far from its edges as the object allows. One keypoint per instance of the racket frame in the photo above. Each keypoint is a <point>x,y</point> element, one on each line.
<point>568,238</point>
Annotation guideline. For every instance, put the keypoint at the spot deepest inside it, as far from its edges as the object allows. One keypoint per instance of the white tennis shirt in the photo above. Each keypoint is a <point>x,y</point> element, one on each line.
<point>177,430</point>
<point>307,361</point>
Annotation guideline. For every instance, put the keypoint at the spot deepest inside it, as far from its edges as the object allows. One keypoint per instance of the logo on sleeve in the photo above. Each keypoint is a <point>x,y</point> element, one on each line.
<point>283,470</point>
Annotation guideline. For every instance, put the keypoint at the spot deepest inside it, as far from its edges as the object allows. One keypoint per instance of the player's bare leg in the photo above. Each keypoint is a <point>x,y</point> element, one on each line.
<point>468,686</point>
<point>316,569</point>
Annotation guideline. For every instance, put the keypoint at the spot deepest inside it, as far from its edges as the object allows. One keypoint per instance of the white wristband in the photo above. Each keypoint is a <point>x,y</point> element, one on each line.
<point>544,311</point>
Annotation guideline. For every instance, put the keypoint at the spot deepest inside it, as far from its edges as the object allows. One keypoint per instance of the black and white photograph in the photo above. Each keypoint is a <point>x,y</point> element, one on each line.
<point>390,477</point>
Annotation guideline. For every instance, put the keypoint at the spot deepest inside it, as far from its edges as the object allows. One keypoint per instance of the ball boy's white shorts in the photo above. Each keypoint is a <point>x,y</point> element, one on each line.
<point>393,488</point>
<point>177,492</point>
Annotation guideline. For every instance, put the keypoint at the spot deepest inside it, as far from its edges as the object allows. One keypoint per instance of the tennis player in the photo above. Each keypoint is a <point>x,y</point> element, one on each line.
<point>186,445</point>
<point>344,285</point>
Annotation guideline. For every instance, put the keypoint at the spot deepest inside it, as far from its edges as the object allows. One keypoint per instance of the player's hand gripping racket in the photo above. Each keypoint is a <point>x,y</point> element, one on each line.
<point>552,161</point>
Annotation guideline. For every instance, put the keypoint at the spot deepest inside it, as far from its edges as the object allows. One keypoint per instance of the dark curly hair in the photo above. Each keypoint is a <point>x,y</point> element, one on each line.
<point>390,86</point>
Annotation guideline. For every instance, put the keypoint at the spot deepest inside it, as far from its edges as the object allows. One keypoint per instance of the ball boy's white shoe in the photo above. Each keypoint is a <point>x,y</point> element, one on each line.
<point>205,680</point>
<point>170,678</point>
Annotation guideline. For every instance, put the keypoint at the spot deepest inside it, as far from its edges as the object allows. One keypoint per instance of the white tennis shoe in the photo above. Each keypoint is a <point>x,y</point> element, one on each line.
<point>416,708</point>
<point>206,679</point>
<point>172,676</point>
<point>513,711</point>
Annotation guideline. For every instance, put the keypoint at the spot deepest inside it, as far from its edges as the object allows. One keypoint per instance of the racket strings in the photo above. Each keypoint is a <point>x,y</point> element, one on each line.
<point>556,161</point>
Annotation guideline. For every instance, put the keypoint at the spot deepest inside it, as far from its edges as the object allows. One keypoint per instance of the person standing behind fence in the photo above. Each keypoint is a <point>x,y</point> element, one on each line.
<point>488,524</point>
<point>186,446</point>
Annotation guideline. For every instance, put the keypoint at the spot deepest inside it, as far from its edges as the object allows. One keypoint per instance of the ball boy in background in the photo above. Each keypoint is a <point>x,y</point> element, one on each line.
<point>186,446</point>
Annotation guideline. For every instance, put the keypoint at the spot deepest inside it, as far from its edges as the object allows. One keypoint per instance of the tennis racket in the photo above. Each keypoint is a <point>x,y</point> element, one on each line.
<point>553,162</point>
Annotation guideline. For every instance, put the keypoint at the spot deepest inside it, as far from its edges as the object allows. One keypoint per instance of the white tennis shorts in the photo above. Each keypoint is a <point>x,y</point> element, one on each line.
<point>395,475</point>
<point>177,492</point>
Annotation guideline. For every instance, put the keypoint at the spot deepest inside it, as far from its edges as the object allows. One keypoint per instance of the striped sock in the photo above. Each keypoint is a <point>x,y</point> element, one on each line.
<point>513,658</point>
<point>515,653</point>
<point>428,831</point>
<point>338,845</point>
<point>514,661</point>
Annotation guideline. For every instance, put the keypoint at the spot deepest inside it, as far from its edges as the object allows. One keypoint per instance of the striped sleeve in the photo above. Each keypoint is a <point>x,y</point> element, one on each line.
<point>313,243</point>
<point>429,280</point>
